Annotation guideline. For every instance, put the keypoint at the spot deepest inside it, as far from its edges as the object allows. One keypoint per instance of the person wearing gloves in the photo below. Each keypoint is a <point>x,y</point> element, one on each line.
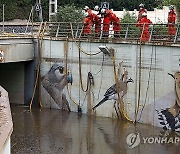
<point>144,26</point>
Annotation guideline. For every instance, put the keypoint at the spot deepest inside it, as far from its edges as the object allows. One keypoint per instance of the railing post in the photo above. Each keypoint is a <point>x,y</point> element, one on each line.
<point>32,9</point>
<point>151,32</point>
<point>102,26</point>
<point>127,32</point>
<point>175,38</point>
<point>57,30</point>
<point>77,29</point>
<point>72,32</point>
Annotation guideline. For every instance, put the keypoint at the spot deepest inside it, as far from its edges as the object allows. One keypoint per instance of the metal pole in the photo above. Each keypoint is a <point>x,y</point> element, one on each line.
<point>3,18</point>
<point>175,38</point>
<point>40,13</point>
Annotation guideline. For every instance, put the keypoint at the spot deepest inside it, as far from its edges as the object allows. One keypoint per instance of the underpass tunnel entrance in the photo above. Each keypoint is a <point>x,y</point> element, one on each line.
<point>18,80</point>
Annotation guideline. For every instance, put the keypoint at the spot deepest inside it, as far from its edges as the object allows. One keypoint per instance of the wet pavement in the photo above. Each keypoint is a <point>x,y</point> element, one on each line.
<point>50,131</point>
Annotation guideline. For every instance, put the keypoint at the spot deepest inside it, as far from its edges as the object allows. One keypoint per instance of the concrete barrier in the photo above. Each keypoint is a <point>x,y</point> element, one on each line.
<point>17,49</point>
<point>156,87</point>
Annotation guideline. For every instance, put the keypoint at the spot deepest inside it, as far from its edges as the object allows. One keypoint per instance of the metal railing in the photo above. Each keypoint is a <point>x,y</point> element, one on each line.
<point>74,30</point>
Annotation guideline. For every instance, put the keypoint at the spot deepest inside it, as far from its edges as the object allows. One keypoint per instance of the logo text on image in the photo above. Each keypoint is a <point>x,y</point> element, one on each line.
<point>133,140</point>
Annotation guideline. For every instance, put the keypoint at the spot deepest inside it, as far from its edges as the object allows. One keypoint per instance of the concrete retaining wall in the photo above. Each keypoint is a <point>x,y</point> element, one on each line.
<point>18,69</point>
<point>157,61</point>
<point>17,49</point>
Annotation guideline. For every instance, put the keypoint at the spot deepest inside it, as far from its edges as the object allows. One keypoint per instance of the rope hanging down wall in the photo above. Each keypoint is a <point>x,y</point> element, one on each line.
<point>122,109</point>
<point>37,81</point>
<point>66,58</point>
<point>139,88</point>
<point>148,85</point>
<point>113,59</point>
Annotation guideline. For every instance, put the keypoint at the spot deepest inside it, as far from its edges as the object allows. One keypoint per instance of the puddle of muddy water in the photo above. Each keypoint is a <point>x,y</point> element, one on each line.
<point>50,131</point>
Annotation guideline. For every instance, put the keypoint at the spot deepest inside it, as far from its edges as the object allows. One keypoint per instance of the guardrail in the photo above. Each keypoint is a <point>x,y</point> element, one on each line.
<point>74,30</point>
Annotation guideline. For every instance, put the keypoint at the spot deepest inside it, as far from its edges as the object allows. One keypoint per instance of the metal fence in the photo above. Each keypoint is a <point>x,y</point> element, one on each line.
<point>74,30</point>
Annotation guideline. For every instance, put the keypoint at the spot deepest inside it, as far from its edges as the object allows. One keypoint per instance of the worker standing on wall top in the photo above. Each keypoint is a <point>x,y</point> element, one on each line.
<point>106,22</point>
<point>171,21</point>
<point>87,21</point>
<point>115,21</point>
<point>94,18</point>
<point>87,25</point>
<point>144,26</point>
<point>141,11</point>
<point>110,18</point>
<point>97,21</point>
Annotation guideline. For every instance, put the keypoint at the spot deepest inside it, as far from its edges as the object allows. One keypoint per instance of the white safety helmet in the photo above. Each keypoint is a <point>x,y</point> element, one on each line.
<point>144,14</point>
<point>103,11</point>
<point>86,8</point>
<point>141,5</point>
<point>96,8</point>
<point>171,7</point>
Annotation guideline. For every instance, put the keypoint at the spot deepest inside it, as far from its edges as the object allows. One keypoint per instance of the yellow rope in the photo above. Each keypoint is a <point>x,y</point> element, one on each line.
<point>34,90</point>
<point>66,57</point>
<point>117,88</point>
<point>71,96</point>
<point>80,74</point>
<point>90,54</point>
<point>40,38</point>
<point>139,88</point>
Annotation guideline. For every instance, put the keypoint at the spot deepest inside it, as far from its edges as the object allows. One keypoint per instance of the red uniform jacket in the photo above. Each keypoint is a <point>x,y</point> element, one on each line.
<point>87,25</point>
<point>115,20</point>
<point>95,19</point>
<point>144,25</point>
<point>109,18</point>
<point>171,22</point>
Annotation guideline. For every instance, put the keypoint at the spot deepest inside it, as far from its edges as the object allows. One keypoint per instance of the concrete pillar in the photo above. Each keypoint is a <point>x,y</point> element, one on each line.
<point>52,8</point>
<point>29,78</point>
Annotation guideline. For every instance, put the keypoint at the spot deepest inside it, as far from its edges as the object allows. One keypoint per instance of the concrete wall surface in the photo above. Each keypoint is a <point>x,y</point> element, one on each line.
<point>17,68</point>
<point>17,49</point>
<point>155,84</point>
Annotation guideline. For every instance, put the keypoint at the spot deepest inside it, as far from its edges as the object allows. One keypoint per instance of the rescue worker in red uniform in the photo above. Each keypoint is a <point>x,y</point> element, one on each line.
<point>144,26</point>
<point>141,11</point>
<point>171,21</point>
<point>95,19</point>
<point>87,25</point>
<point>110,18</point>
<point>106,22</point>
<point>115,21</point>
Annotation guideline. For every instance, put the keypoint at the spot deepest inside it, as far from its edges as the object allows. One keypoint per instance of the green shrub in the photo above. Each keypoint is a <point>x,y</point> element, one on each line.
<point>128,24</point>
<point>69,13</point>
